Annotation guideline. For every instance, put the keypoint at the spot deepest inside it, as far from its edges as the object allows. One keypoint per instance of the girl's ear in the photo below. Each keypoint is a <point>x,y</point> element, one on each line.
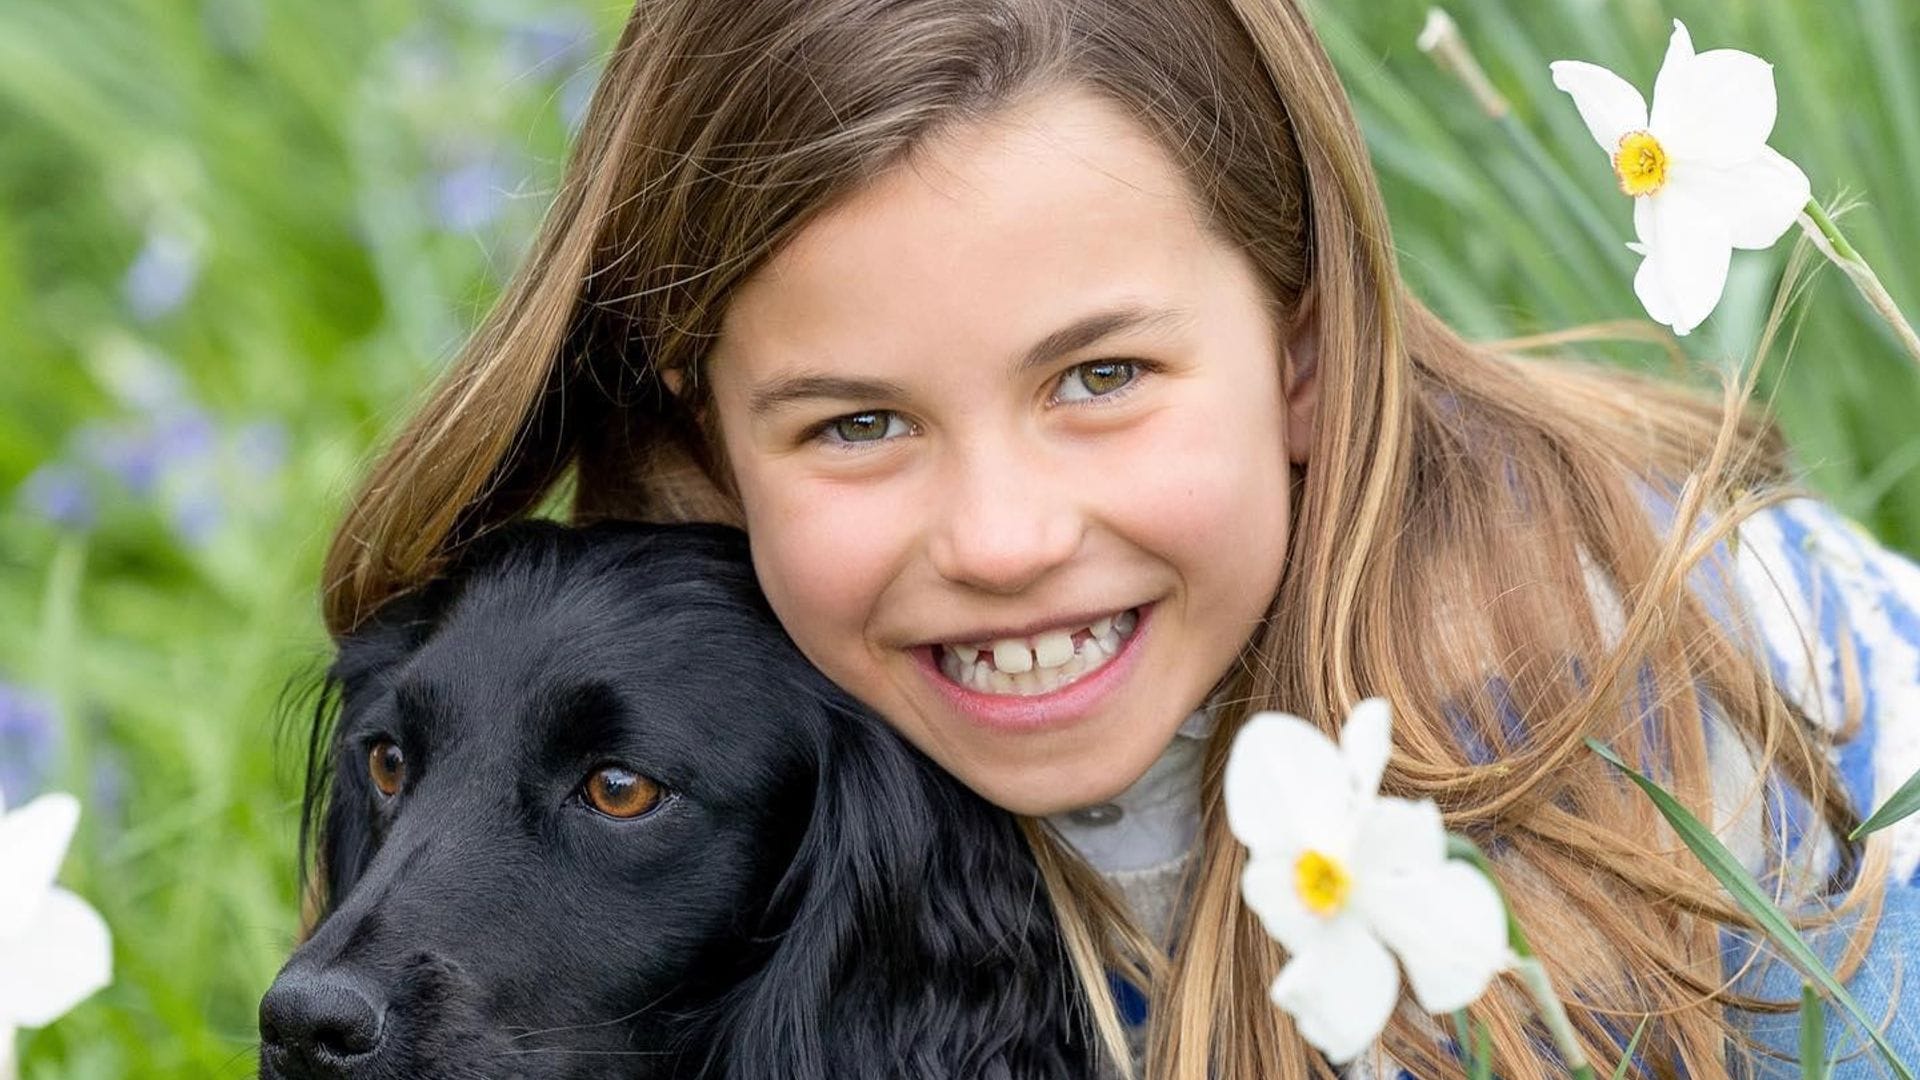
<point>1300,375</point>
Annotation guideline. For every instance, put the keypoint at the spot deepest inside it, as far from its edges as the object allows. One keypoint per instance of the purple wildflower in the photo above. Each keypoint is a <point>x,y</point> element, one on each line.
<point>59,494</point>
<point>162,275</point>
<point>196,514</point>
<point>29,743</point>
<point>548,45</point>
<point>262,447</point>
<point>471,196</point>
<point>183,436</point>
<point>575,95</point>
<point>125,455</point>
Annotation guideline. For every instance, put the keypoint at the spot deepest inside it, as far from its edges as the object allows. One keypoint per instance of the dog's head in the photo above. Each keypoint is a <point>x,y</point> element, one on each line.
<point>587,812</point>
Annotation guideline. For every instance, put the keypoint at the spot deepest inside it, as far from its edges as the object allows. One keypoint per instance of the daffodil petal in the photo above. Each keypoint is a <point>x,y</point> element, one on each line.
<point>1366,741</point>
<point>1341,993</point>
<point>1399,839</point>
<point>1652,291</point>
<point>62,956</point>
<point>1287,787</point>
<point>1679,53</point>
<point>1647,283</point>
<point>1449,930</point>
<point>1688,254</point>
<point>33,841</point>
<point>1757,201</point>
<point>1270,888</point>
<point>1717,109</point>
<point>1608,103</point>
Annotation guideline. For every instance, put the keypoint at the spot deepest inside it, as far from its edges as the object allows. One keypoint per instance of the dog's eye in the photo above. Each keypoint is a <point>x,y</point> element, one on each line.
<point>387,765</point>
<point>621,793</point>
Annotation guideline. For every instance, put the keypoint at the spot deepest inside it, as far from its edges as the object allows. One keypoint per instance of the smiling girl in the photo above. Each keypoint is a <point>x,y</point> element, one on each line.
<point>1054,358</point>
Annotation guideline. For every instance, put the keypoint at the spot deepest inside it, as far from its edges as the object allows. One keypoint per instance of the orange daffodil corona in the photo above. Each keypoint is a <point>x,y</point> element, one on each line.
<point>1347,880</point>
<point>1702,177</point>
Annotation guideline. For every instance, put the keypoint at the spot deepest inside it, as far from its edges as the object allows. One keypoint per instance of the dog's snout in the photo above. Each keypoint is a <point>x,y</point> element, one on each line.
<point>318,1026</point>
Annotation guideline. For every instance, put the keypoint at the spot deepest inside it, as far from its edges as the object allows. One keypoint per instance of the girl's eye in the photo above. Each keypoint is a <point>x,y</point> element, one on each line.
<point>1097,378</point>
<point>621,793</point>
<point>864,427</point>
<point>387,766</point>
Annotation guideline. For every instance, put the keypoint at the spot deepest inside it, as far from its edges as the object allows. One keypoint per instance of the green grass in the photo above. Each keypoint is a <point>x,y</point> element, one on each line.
<point>293,154</point>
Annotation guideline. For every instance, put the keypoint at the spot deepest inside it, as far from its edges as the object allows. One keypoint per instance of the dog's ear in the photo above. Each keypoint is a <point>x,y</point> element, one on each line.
<point>915,937</point>
<point>336,842</point>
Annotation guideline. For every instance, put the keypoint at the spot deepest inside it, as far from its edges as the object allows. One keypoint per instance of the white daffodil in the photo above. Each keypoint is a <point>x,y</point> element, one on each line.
<point>1346,880</point>
<point>54,948</point>
<point>1703,179</point>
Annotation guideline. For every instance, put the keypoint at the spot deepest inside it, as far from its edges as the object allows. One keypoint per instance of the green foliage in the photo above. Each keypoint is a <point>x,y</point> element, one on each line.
<point>1488,238</point>
<point>237,237</point>
<point>1813,1035</point>
<point>1754,900</point>
<point>1904,802</point>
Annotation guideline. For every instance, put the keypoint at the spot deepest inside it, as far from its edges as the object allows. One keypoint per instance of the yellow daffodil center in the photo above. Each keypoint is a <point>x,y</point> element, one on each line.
<point>1323,883</point>
<point>1641,163</point>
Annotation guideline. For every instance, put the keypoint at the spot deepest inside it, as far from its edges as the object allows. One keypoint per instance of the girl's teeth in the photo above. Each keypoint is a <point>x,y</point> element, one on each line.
<point>1100,626</point>
<point>1124,622</point>
<point>965,652</point>
<point>1053,648</point>
<point>986,673</point>
<point>1012,657</point>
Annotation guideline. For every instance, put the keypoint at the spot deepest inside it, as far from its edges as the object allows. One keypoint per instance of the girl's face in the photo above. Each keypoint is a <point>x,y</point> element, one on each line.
<point>1012,440</point>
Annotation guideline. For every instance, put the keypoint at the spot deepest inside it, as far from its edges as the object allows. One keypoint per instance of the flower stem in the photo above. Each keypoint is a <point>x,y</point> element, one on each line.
<point>1826,236</point>
<point>1442,40</point>
<point>1533,975</point>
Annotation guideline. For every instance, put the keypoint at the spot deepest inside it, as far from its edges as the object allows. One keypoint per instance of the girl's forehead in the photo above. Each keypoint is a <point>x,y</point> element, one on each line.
<point>1064,206</point>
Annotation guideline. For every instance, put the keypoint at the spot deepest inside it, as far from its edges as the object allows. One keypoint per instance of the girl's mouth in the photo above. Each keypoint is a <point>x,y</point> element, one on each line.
<point>1040,664</point>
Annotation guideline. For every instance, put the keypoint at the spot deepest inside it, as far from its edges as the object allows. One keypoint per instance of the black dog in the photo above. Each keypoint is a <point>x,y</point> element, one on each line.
<point>587,812</point>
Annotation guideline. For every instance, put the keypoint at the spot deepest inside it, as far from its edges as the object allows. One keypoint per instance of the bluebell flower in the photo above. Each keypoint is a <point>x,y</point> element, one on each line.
<point>551,44</point>
<point>60,494</point>
<point>125,455</point>
<point>261,447</point>
<point>29,744</point>
<point>197,512</point>
<point>107,792</point>
<point>185,435</point>
<point>162,275</point>
<point>575,95</point>
<point>471,196</point>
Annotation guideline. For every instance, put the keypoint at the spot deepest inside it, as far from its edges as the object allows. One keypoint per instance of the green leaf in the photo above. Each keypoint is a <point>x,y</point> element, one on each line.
<point>1626,1059</point>
<point>1813,1034</point>
<point>1903,803</point>
<point>1748,894</point>
<point>1476,1046</point>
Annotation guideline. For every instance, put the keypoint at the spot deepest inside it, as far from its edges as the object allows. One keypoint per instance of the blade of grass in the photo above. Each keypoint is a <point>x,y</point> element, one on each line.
<point>1904,803</point>
<point>1626,1059</point>
<point>1748,894</point>
<point>1813,1035</point>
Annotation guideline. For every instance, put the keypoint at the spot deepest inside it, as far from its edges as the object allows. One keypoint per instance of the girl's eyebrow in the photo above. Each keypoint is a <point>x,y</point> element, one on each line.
<point>788,390</point>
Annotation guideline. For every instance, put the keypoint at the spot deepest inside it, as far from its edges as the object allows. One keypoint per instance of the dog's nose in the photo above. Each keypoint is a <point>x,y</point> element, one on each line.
<point>318,1026</point>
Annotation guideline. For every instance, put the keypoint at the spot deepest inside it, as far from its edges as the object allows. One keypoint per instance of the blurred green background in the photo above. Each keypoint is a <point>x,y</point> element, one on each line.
<point>238,237</point>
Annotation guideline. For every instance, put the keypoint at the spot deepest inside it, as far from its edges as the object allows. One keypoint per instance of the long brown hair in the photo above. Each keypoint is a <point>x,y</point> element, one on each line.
<point>1460,508</point>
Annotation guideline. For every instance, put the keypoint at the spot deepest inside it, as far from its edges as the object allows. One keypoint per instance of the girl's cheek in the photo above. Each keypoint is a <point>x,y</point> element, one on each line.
<point>823,552</point>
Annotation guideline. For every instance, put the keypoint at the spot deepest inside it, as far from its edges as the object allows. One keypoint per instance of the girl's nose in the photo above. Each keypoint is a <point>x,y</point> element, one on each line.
<point>1003,524</point>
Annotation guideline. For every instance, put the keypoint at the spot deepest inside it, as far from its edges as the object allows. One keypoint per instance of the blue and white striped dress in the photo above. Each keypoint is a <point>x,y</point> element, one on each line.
<point>1831,606</point>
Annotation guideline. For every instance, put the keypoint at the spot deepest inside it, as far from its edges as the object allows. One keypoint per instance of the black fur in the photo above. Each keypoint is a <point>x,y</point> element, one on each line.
<point>815,900</point>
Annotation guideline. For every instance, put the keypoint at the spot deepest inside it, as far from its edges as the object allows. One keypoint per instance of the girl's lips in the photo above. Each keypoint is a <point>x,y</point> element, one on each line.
<point>1040,712</point>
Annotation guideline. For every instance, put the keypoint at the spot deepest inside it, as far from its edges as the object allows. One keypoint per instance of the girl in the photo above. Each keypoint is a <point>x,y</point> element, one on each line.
<point>1054,358</point>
